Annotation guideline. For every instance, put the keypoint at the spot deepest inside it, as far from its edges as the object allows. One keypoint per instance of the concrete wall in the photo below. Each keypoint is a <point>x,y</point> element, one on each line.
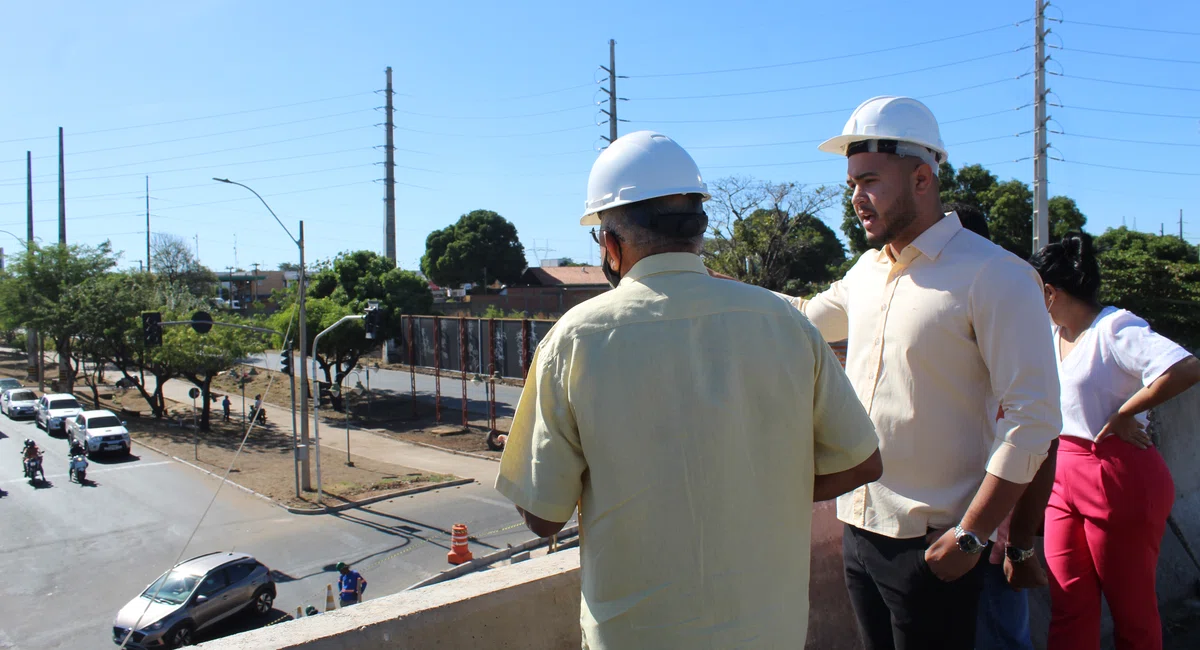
<point>492,609</point>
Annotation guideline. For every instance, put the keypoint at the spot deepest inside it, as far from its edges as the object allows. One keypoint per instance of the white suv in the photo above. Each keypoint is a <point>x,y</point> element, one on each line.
<point>99,431</point>
<point>53,411</point>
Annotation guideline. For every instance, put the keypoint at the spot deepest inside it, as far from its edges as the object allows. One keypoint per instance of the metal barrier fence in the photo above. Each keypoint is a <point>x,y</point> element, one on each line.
<point>482,346</point>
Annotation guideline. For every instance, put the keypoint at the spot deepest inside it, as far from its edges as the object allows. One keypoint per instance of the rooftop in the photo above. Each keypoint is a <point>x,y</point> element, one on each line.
<point>564,276</point>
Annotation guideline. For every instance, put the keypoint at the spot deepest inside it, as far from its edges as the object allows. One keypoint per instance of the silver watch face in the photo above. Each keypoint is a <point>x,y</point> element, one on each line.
<point>968,542</point>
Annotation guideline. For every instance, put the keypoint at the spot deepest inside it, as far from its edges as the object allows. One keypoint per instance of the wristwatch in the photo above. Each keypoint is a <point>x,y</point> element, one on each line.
<point>1017,554</point>
<point>968,542</point>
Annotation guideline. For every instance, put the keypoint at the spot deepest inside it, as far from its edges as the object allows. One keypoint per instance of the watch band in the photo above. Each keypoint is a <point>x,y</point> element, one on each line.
<point>1017,554</point>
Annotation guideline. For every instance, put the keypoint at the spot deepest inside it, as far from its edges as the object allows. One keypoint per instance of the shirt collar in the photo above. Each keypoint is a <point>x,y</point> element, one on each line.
<point>930,243</point>
<point>665,263</point>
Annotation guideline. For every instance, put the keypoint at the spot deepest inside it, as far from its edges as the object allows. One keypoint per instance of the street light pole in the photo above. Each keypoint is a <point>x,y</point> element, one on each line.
<point>302,285</point>
<point>317,399</point>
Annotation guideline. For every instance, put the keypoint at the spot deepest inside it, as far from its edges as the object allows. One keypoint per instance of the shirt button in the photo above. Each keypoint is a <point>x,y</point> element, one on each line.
<point>876,341</point>
<point>883,307</point>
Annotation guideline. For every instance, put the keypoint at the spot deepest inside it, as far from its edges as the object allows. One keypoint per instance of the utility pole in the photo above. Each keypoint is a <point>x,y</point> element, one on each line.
<point>1181,225</point>
<point>31,344</point>
<point>62,193</point>
<point>390,177</point>
<point>612,92</point>
<point>1041,207</point>
<point>148,267</point>
<point>305,479</point>
<point>254,283</point>
<point>196,238</point>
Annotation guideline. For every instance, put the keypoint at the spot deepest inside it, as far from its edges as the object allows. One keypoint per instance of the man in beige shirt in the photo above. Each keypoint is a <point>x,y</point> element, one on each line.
<point>942,327</point>
<point>694,421</point>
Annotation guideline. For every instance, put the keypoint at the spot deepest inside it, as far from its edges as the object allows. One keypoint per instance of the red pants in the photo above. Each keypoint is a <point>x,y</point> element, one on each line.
<point>1104,524</point>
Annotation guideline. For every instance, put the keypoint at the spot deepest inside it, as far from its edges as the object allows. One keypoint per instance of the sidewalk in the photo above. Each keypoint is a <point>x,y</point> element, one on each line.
<point>363,442</point>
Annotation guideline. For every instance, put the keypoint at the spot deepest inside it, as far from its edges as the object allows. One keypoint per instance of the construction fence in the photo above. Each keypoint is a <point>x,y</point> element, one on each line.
<point>478,346</point>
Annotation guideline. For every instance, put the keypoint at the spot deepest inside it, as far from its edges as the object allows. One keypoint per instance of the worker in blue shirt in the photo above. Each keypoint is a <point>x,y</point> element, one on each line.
<point>351,585</point>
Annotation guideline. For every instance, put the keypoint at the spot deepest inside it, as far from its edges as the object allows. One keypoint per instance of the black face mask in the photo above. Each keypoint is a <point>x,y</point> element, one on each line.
<point>613,277</point>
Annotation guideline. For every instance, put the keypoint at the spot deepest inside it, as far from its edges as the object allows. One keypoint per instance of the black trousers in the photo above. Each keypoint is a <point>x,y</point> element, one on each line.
<point>900,604</point>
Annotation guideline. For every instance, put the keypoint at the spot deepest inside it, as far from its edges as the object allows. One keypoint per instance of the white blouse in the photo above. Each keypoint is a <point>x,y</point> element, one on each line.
<point>1113,358</point>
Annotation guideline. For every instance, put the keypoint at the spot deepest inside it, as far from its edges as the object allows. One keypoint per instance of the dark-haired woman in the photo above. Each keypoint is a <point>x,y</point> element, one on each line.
<point>1112,490</point>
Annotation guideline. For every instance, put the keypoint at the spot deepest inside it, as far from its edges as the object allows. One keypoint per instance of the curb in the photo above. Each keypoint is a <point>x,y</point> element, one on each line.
<point>443,449</point>
<point>213,474</point>
<point>375,499</point>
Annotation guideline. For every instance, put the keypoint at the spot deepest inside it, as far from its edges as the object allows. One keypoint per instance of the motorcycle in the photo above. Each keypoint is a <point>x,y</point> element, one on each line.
<point>33,468</point>
<point>78,471</point>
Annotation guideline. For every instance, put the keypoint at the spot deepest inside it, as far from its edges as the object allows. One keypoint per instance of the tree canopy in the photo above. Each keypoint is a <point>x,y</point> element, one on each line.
<point>1156,277</point>
<point>769,234</point>
<point>482,246</point>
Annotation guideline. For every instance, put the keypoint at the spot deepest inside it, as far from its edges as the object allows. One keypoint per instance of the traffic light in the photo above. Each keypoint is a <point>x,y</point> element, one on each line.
<point>372,322</point>
<point>285,358</point>
<point>151,330</point>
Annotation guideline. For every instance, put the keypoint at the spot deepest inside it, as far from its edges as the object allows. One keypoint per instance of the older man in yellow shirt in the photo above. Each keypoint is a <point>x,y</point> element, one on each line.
<point>694,420</point>
<point>942,327</point>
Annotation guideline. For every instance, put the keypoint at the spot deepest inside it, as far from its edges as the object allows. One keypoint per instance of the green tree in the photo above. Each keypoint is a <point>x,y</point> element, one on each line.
<point>482,246</point>
<point>566,261</point>
<point>768,234</point>
<point>33,295</point>
<point>344,286</point>
<point>1155,277</point>
<point>199,358</point>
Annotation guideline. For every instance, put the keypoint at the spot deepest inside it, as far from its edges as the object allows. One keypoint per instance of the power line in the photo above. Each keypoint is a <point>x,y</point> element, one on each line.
<point>190,119</point>
<point>495,135</point>
<point>996,137</point>
<point>1124,56</point>
<point>829,58</point>
<point>1131,29</point>
<point>1154,142</point>
<point>847,110</point>
<point>837,83</point>
<point>983,115</point>
<point>207,153</point>
<point>214,166</point>
<point>1123,83</point>
<point>1127,169</point>
<point>543,94</point>
<point>496,117</point>
<point>196,137</point>
<point>1119,112</point>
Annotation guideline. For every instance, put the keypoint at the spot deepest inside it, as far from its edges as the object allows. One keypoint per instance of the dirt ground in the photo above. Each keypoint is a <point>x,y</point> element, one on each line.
<point>387,413</point>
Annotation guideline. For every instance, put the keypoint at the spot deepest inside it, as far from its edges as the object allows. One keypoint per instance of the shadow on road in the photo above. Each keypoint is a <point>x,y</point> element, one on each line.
<point>243,622</point>
<point>116,460</point>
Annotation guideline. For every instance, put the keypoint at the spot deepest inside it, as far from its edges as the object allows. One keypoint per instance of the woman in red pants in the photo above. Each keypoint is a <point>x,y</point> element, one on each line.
<point>1112,490</point>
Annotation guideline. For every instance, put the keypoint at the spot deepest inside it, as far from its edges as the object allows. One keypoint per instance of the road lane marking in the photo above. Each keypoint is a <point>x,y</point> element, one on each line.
<point>91,472</point>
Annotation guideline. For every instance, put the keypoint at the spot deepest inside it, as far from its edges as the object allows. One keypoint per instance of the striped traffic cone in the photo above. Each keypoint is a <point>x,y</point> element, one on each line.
<point>459,551</point>
<point>330,604</point>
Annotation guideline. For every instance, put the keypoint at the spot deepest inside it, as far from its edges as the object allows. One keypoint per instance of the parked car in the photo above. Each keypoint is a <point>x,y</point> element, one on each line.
<point>99,431</point>
<point>194,595</point>
<point>54,410</point>
<point>8,383</point>
<point>18,403</point>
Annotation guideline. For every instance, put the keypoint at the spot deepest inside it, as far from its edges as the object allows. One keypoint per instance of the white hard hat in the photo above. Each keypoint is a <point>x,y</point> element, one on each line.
<point>640,166</point>
<point>901,119</point>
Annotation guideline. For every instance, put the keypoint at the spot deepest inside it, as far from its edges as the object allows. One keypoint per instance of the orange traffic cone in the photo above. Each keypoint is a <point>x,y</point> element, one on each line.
<point>459,551</point>
<point>330,604</point>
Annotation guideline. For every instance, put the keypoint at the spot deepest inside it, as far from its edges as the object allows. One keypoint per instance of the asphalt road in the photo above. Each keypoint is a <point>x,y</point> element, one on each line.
<point>72,555</point>
<point>398,382</point>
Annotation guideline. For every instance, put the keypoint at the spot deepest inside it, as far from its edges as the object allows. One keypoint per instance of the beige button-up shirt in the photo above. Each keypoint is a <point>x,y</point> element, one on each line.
<point>688,415</point>
<point>937,338</point>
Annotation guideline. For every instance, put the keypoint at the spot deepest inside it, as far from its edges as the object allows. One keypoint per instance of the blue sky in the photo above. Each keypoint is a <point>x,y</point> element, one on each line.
<point>495,109</point>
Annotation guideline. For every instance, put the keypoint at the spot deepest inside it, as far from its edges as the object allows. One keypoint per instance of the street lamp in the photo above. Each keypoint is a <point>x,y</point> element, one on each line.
<point>346,406</point>
<point>302,283</point>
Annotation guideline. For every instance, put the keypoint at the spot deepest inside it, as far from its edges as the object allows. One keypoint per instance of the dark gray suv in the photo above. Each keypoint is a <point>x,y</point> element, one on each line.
<point>194,595</point>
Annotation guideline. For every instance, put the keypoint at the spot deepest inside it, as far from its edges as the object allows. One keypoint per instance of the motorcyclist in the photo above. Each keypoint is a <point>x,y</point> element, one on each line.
<point>76,449</point>
<point>31,450</point>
